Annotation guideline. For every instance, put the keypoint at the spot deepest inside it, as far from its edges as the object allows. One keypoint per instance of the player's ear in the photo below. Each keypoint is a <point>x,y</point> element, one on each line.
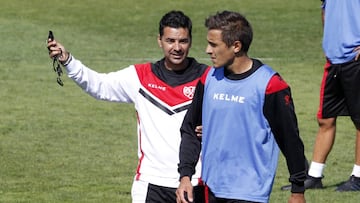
<point>159,40</point>
<point>237,47</point>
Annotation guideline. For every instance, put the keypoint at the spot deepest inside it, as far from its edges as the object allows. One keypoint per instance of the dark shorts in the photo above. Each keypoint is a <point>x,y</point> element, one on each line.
<point>159,194</point>
<point>212,199</point>
<point>340,91</point>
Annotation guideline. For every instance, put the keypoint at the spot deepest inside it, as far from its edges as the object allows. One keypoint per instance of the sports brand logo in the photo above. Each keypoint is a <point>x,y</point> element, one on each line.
<point>189,91</point>
<point>287,99</point>
<point>229,98</point>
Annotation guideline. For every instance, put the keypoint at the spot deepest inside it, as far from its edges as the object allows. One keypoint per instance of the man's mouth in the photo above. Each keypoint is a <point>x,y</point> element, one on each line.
<point>177,56</point>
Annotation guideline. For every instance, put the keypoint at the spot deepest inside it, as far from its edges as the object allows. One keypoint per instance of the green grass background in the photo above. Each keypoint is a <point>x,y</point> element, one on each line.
<point>58,144</point>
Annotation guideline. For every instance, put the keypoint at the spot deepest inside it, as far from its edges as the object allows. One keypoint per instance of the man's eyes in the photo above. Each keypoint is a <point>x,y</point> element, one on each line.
<point>170,41</point>
<point>212,44</point>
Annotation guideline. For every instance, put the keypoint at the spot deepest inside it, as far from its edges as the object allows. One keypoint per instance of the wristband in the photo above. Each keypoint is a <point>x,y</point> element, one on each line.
<point>68,60</point>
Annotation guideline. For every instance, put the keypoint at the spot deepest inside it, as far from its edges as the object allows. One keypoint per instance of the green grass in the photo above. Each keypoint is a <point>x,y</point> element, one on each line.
<point>58,144</point>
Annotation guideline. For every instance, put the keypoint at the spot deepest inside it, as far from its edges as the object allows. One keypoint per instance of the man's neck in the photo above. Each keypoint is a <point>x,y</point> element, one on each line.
<point>177,67</point>
<point>240,65</point>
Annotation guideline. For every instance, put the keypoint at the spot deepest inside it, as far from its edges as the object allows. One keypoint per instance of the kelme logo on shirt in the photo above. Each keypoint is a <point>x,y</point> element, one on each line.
<point>189,91</point>
<point>229,98</point>
<point>155,86</point>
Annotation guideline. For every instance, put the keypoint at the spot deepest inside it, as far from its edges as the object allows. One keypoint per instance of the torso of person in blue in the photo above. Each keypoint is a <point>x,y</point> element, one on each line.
<point>341,30</point>
<point>247,114</point>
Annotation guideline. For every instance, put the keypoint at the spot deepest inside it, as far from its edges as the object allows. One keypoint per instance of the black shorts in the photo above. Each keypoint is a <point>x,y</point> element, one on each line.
<point>160,194</point>
<point>211,198</point>
<point>340,91</point>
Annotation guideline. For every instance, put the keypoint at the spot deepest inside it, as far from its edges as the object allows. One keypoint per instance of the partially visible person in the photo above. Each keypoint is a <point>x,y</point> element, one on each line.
<point>161,92</point>
<point>247,113</point>
<point>339,91</point>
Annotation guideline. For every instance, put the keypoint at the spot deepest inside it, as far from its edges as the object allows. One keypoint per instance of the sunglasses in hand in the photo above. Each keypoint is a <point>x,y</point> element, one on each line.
<point>56,63</point>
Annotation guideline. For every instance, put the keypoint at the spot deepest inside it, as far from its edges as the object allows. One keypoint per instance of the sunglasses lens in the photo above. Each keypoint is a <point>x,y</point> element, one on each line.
<point>59,81</point>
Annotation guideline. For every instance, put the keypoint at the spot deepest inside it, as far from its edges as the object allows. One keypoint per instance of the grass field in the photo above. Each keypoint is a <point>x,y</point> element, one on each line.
<point>58,144</point>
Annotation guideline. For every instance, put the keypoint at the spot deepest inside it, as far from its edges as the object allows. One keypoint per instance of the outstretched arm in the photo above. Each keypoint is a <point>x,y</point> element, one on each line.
<point>118,86</point>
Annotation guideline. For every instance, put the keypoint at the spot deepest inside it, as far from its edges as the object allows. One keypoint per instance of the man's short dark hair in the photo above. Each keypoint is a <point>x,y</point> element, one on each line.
<point>175,19</point>
<point>234,27</point>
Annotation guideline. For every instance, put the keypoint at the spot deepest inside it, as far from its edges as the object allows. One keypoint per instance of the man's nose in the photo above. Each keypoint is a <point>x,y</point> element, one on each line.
<point>208,49</point>
<point>177,46</point>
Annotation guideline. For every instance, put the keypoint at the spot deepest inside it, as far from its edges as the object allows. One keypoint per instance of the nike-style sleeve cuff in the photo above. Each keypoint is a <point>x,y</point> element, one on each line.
<point>186,171</point>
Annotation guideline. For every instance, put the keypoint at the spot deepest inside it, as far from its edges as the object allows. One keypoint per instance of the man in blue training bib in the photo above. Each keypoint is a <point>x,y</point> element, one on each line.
<point>247,114</point>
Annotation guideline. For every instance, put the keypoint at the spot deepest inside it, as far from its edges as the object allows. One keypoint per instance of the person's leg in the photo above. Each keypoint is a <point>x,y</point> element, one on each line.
<point>323,144</point>
<point>332,103</point>
<point>324,140</point>
<point>329,91</point>
<point>350,81</point>
<point>357,148</point>
<point>356,169</point>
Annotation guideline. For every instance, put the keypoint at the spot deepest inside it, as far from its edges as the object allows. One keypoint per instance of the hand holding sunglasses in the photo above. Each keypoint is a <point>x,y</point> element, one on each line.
<point>56,63</point>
